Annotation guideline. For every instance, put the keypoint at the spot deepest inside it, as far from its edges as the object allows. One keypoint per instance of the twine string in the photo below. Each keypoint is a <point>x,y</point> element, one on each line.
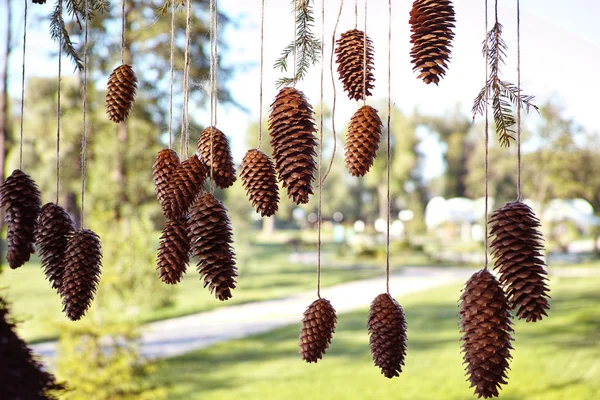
<point>518,105</point>
<point>487,140</point>
<point>23,87</point>
<point>172,72</point>
<point>213,121</point>
<point>364,82</point>
<point>186,83</point>
<point>356,14</point>
<point>262,59</point>
<point>123,18</point>
<point>85,99</point>
<point>295,44</point>
<point>320,180</point>
<point>58,107</point>
<point>389,149</point>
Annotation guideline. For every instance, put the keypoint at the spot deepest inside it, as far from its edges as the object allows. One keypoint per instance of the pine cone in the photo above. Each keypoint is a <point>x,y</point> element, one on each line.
<point>22,199</point>
<point>387,327</point>
<point>39,1</point>
<point>362,141</point>
<point>223,169</point>
<point>120,94</point>
<point>52,233</point>
<point>258,178</point>
<point>167,161</point>
<point>485,321</point>
<point>292,128</point>
<point>173,251</point>
<point>318,326</point>
<point>83,263</point>
<point>210,237</point>
<point>184,187</point>
<point>431,23</point>
<point>350,55</point>
<point>517,248</point>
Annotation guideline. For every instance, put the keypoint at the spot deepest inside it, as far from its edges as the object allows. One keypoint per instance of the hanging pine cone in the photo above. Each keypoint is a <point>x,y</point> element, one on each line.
<point>167,161</point>
<point>362,140</point>
<point>223,169</point>
<point>517,248</point>
<point>184,187</point>
<point>387,327</point>
<point>258,178</point>
<point>51,235</point>
<point>485,321</point>
<point>83,263</point>
<point>210,237</point>
<point>431,23</point>
<point>22,199</point>
<point>120,94</point>
<point>350,55</point>
<point>292,128</point>
<point>318,326</point>
<point>173,251</point>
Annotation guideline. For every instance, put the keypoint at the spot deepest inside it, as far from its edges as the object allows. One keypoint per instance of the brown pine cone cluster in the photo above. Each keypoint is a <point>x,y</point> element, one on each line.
<point>517,247</point>
<point>318,326</point>
<point>184,187</point>
<point>362,140</point>
<point>260,182</point>
<point>352,59</point>
<point>387,328</point>
<point>22,199</point>
<point>173,251</point>
<point>485,321</point>
<point>120,94</point>
<point>292,129</point>
<point>167,161</point>
<point>223,170</point>
<point>431,23</point>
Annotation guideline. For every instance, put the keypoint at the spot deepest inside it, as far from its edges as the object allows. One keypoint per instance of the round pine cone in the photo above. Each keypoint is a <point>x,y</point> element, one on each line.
<point>184,187</point>
<point>350,55</point>
<point>223,170</point>
<point>485,322</point>
<point>431,23</point>
<point>167,161</point>
<point>292,128</point>
<point>83,263</point>
<point>517,247</point>
<point>362,141</point>
<point>258,178</point>
<point>120,94</point>
<point>318,326</point>
<point>210,238</point>
<point>387,327</point>
<point>173,251</point>
<point>22,199</point>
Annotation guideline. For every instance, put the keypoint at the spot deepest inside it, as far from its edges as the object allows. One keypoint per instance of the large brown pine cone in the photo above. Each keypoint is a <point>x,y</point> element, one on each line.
<point>485,321</point>
<point>184,187</point>
<point>173,251</point>
<point>258,178</point>
<point>22,199</point>
<point>120,94</point>
<point>517,247</point>
<point>362,140</point>
<point>387,327</point>
<point>51,235</point>
<point>210,235</point>
<point>292,129</point>
<point>431,23</point>
<point>167,161</point>
<point>350,55</point>
<point>83,264</point>
<point>318,326</point>
<point>223,170</point>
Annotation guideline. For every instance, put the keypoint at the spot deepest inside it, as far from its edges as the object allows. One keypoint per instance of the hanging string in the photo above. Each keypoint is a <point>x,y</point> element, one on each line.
<point>320,180</point>
<point>85,98</point>
<point>172,74</point>
<point>23,87</point>
<point>356,14</point>
<point>364,86</point>
<point>216,60</point>
<point>123,18</point>
<point>487,139</point>
<point>186,85</point>
<point>262,58</point>
<point>295,18</point>
<point>389,148</point>
<point>519,94</point>
<point>58,107</point>
<point>213,121</point>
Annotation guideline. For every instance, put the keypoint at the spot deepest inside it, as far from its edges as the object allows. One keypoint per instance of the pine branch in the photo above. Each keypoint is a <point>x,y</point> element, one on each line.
<point>58,32</point>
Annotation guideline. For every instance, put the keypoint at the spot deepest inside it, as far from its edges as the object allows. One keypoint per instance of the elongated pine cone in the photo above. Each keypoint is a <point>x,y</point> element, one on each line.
<point>517,248</point>
<point>184,187</point>
<point>260,181</point>
<point>485,322</point>
<point>210,237</point>
<point>350,56</point>
<point>292,129</point>
<point>431,23</point>
<point>83,264</point>
<point>22,199</point>
<point>387,328</point>
<point>362,141</point>
<point>173,251</point>
<point>52,233</point>
<point>120,94</point>
<point>318,326</point>
<point>222,162</point>
<point>167,161</point>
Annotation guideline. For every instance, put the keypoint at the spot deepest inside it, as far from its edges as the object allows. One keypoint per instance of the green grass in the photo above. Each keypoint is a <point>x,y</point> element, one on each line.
<point>555,359</point>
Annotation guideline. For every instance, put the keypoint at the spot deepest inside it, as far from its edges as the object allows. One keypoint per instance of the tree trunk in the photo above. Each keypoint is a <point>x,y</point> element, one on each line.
<point>4,113</point>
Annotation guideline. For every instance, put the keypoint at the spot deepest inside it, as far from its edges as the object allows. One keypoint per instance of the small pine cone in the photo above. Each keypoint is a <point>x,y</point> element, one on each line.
<point>318,326</point>
<point>362,140</point>
<point>431,23</point>
<point>258,178</point>
<point>517,247</point>
<point>184,187</point>
<point>485,322</point>
<point>350,55</point>
<point>83,264</point>
<point>387,327</point>
<point>210,235</point>
<point>120,94</point>
<point>22,199</point>
<point>51,235</point>
<point>173,251</point>
<point>167,161</point>
<point>292,129</point>
<point>223,169</point>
